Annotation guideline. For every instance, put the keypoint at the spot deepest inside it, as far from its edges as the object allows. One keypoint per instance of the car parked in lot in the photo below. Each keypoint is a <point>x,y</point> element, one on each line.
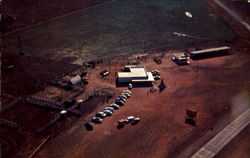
<point>108,112</point>
<point>130,86</point>
<point>104,73</point>
<point>135,121</point>
<point>109,108</point>
<point>101,114</point>
<point>123,96</point>
<point>127,91</point>
<point>96,120</point>
<point>181,58</point>
<point>114,106</point>
<point>121,122</point>
<point>89,126</point>
<point>126,94</point>
<point>121,99</point>
<point>119,102</point>
<point>130,118</point>
<point>157,77</point>
<point>155,72</point>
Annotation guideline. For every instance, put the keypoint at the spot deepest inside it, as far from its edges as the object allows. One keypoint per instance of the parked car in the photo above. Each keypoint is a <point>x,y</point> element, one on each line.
<point>127,91</point>
<point>126,94</point>
<point>123,96</point>
<point>108,112</point>
<point>135,121</point>
<point>109,108</point>
<point>157,77</point>
<point>130,118</point>
<point>89,126</point>
<point>181,58</point>
<point>155,72</point>
<point>80,101</point>
<point>119,102</point>
<point>127,121</point>
<point>121,99</point>
<point>130,86</point>
<point>114,106</point>
<point>121,122</point>
<point>101,114</point>
<point>104,73</point>
<point>96,120</point>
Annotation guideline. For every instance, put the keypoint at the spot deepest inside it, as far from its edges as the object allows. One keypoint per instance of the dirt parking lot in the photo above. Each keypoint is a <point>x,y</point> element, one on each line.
<point>218,88</point>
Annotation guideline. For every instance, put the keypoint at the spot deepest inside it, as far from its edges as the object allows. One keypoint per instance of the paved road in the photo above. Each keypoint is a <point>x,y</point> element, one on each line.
<point>235,16</point>
<point>210,149</point>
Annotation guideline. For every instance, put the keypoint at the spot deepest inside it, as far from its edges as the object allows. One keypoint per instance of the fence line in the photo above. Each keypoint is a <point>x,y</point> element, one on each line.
<point>44,102</point>
<point>9,123</point>
<point>40,146</point>
<point>74,95</point>
<point>8,106</point>
<point>49,124</point>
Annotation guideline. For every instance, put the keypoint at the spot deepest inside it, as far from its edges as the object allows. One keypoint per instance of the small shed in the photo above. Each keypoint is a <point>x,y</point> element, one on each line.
<point>77,80</point>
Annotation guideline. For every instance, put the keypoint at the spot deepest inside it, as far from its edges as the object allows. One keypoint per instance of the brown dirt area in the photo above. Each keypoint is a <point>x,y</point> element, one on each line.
<point>207,86</point>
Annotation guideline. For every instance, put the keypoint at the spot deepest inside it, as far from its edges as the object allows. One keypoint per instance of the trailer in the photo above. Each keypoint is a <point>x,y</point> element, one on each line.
<point>211,52</point>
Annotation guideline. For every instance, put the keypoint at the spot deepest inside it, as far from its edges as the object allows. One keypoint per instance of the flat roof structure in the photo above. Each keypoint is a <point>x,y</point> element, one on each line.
<point>211,50</point>
<point>135,74</point>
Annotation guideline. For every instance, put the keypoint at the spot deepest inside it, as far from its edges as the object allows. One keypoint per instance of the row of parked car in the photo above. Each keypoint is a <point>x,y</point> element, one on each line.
<point>131,119</point>
<point>110,109</point>
<point>156,74</point>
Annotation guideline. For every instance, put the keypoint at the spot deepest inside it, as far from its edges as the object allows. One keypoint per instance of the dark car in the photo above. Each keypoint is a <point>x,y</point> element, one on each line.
<point>108,112</point>
<point>89,126</point>
<point>135,121</point>
<point>104,73</point>
<point>96,120</point>
<point>121,99</point>
<point>101,114</point>
<point>119,102</point>
<point>114,106</point>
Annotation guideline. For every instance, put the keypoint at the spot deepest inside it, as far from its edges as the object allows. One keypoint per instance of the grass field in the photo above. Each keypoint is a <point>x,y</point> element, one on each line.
<point>120,27</point>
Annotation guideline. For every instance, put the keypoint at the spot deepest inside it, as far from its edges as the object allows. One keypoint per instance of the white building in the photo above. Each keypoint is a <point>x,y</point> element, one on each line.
<point>135,74</point>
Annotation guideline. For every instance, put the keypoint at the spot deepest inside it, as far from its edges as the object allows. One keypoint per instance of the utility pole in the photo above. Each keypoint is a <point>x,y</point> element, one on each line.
<point>20,46</point>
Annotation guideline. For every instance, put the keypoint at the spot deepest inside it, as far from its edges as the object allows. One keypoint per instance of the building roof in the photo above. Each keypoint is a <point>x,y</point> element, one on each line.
<point>211,50</point>
<point>76,80</point>
<point>135,72</point>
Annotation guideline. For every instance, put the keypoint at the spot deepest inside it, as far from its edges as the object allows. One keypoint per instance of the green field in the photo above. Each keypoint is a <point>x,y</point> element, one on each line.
<point>122,26</point>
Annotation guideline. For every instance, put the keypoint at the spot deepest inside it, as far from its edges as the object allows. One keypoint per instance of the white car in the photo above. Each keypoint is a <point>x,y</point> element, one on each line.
<point>130,86</point>
<point>181,58</point>
<point>127,91</point>
<point>130,118</point>
<point>126,94</point>
<point>155,72</point>
<point>101,114</point>
<point>109,108</point>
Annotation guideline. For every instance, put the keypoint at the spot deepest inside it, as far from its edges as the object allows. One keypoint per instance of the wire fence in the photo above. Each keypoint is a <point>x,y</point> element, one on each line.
<point>12,104</point>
